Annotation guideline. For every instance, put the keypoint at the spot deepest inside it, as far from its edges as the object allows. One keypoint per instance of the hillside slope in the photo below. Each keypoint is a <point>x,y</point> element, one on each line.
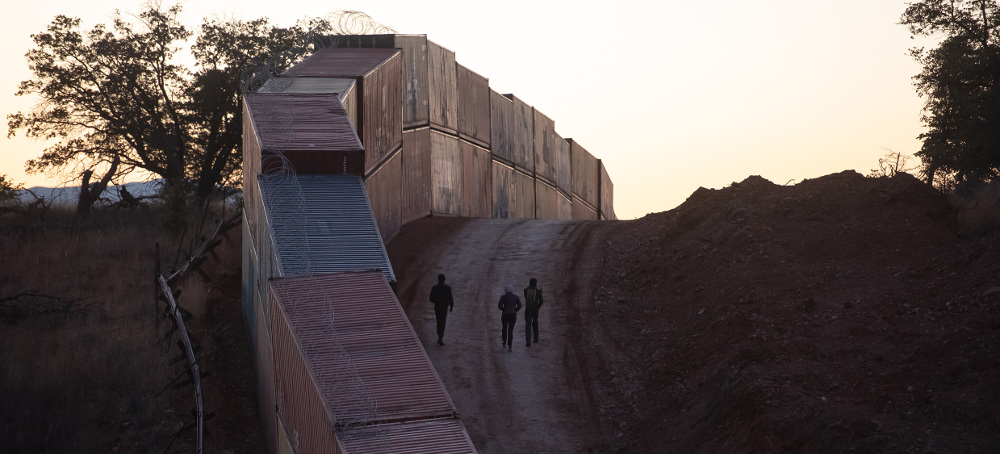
<point>839,314</point>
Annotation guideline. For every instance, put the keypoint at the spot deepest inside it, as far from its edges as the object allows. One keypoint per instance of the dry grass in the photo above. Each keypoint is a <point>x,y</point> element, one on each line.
<point>82,375</point>
<point>979,213</point>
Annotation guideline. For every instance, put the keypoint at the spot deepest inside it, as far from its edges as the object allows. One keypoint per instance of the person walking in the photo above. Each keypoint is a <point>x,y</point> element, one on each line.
<point>532,301</point>
<point>509,305</point>
<point>443,303</point>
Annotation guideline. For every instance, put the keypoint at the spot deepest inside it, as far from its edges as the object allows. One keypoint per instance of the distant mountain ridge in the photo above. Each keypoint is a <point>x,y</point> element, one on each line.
<point>70,195</point>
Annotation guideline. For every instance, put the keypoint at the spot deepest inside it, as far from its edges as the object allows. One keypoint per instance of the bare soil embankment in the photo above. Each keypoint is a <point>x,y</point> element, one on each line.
<point>841,314</point>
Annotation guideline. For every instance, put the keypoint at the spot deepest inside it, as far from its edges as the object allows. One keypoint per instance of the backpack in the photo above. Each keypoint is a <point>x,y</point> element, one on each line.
<point>531,296</point>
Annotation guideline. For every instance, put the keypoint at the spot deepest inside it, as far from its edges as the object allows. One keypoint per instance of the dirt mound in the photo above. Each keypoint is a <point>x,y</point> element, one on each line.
<point>839,314</point>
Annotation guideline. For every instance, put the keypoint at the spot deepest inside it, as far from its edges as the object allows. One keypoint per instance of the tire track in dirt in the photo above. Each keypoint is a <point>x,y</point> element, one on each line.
<point>528,400</point>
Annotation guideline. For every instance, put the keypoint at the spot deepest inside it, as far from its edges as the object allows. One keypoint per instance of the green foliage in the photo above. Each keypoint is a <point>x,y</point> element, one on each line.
<point>960,81</point>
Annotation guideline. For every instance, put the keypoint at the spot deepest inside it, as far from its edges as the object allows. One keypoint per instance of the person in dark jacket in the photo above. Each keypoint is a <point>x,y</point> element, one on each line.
<point>443,303</point>
<point>532,301</point>
<point>509,305</point>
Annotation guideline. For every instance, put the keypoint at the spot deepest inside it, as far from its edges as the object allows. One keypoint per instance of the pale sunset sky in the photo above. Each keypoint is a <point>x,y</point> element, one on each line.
<point>670,94</point>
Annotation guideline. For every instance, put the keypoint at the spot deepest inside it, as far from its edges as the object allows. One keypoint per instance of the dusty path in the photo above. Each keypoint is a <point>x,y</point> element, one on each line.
<point>529,400</point>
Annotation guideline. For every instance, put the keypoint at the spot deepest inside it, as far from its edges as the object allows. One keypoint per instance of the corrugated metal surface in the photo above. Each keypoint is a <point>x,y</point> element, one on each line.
<point>564,207</point>
<point>284,443</point>
<point>264,363</point>
<point>502,131</point>
<point>586,175</point>
<point>357,352</point>
<point>323,223</point>
<point>442,87</point>
<point>416,104</point>
<point>251,167</point>
<point>563,166</point>
<point>301,121</point>
<point>473,106</point>
<point>300,404</point>
<point>607,208</point>
<point>477,183</point>
<point>380,72</point>
<point>524,124</point>
<point>503,191</point>
<point>582,211</point>
<point>249,285</point>
<point>446,174</point>
<point>384,188</point>
<point>311,131</point>
<point>382,111</point>
<point>346,89</point>
<point>545,140</point>
<point>416,197</point>
<point>524,196</point>
<point>444,436</point>
<point>264,255</point>
<point>340,62</point>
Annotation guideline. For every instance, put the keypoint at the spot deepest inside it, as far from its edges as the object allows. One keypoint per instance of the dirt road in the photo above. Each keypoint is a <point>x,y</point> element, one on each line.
<point>532,399</point>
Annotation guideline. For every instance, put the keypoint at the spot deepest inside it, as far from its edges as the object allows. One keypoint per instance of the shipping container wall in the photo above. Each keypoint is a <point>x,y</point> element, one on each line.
<point>383,188</point>
<point>524,124</point>
<point>264,363</point>
<point>442,87</point>
<point>284,442</point>
<point>502,127</point>
<point>382,111</point>
<point>416,104</point>
<point>582,211</point>
<point>564,207</point>
<point>345,88</point>
<point>300,405</point>
<point>546,201</point>
<point>545,147</point>
<point>473,106</point>
<point>416,179</point>
<point>586,175</point>
<point>249,285</point>
<point>607,207</point>
<point>446,174</point>
<point>562,166</point>
<point>477,186</point>
<point>524,196</point>
<point>503,191</point>
<point>251,167</point>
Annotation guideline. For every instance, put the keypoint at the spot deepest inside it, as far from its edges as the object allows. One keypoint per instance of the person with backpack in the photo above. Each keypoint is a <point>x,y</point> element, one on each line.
<point>509,305</point>
<point>443,303</point>
<point>532,301</point>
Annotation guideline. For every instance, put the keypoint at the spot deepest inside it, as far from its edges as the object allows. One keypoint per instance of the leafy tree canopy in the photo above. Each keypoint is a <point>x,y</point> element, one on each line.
<point>960,81</point>
<point>114,97</point>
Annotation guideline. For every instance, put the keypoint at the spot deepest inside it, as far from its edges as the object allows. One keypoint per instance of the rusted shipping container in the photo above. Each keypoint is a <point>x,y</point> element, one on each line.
<point>379,73</point>
<point>607,208</point>
<point>502,131</point>
<point>384,187</point>
<point>251,167</point>
<point>429,74</point>
<point>442,87</point>
<point>550,203</point>
<point>249,284</point>
<point>552,154</point>
<point>586,175</point>
<point>524,195</point>
<point>477,185</point>
<point>346,90</point>
<point>416,169</point>
<point>304,134</point>
<point>445,436</point>
<point>264,364</point>
<point>298,401</point>
<point>524,140</point>
<point>583,211</point>
<point>503,191</point>
<point>322,223</point>
<point>473,106</point>
<point>446,174</point>
<point>346,358</point>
